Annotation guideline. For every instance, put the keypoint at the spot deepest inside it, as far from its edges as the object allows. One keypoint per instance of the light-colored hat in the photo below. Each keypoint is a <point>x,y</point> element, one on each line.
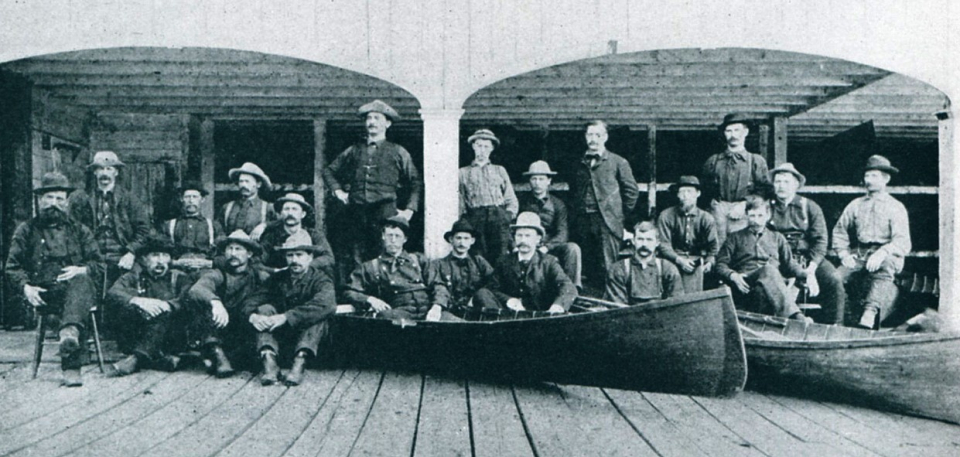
<point>539,167</point>
<point>483,134</point>
<point>300,241</point>
<point>788,167</point>
<point>253,170</point>
<point>379,106</point>
<point>529,220</point>
<point>879,162</point>
<point>105,159</point>
<point>53,182</point>
<point>240,237</point>
<point>295,198</point>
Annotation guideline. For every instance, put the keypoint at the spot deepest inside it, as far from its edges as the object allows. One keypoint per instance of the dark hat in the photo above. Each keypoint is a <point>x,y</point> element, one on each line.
<point>155,243</point>
<point>529,220</point>
<point>295,198</point>
<point>483,134</point>
<point>788,167</point>
<point>300,241</point>
<point>685,181</point>
<point>539,167</point>
<point>398,222</point>
<point>253,170</point>
<point>53,182</point>
<point>240,237</point>
<point>105,159</point>
<point>735,118</point>
<point>193,185</point>
<point>879,162</point>
<point>379,106</point>
<point>461,226</point>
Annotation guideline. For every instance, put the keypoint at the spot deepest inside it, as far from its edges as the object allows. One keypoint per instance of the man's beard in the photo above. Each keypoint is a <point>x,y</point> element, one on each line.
<point>52,215</point>
<point>159,270</point>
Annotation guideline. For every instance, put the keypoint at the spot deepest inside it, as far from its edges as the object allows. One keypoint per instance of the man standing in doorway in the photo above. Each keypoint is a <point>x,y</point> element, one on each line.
<point>248,213</point>
<point>487,199</point>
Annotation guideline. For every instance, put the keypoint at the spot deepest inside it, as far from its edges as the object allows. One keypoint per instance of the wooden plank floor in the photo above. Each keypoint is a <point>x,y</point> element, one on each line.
<point>367,412</point>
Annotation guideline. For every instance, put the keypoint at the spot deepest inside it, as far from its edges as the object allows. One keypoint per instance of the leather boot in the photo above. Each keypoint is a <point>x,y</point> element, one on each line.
<point>69,340</point>
<point>168,363</point>
<point>271,371</point>
<point>124,367</point>
<point>221,363</point>
<point>71,378</point>
<point>295,375</point>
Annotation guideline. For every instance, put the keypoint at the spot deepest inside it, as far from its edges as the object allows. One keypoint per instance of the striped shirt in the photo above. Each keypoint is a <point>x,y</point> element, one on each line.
<point>486,185</point>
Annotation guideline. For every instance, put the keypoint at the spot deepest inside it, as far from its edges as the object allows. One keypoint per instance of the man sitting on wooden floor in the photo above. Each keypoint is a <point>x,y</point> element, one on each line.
<point>643,276</point>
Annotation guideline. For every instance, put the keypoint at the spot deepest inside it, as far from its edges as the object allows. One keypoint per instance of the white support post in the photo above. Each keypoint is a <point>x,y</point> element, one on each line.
<point>441,162</point>
<point>949,209</point>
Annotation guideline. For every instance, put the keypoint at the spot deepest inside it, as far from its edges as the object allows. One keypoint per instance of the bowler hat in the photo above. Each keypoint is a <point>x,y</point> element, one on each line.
<point>398,222</point>
<point>461,226</point>
<point>379,106</point>
<point>240,237</point>
<point>788,167</point>
<point>253,170</point>
<point>295,198</point>
<point>735,118</point>
<point>483,134</point>
<point>193,185</point>
<point>539,167</point>
<point>685,181</point>
<point>300,241</point>
<point>105,159</point>
<point>879,162</point>
<point>528,220</point>
<point>53,182</point>
<point>155,243</point>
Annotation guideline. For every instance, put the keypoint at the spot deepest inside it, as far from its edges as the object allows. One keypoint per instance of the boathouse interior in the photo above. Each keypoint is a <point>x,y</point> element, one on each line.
<point>193,113</point>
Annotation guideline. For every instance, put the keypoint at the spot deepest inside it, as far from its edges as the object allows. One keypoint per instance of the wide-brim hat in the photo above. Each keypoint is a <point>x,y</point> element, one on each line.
<point>539,167</point>
<point>461,226</point>
<point>53,182</point>
<point>879,162</point>
<point>253,170</point>
<point>295,198</point>
<point>379,106</point>
<point>685,181</point>
<point>240,237</point>
<point>735,118</point>
<point>193,185</point>
<point>398,222</point>
<point>484,134</point>
<point>300,241</point>
<point>528,220</point>
<point>788,167</point>
<point>105,159</point>
<point>155,243</point>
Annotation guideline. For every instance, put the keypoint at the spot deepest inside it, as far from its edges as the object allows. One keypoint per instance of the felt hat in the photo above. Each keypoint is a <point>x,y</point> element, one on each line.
<point>539,167</point>
<point>295,198</point>
<point>529,220</point>
<point>879,162</point>
<point>398,222</point>
<point>685,181</point>
<point>461,226</point>
<point>379,106</point>
<point>155,243</point>
<point>105,159</point>
<point>240,237</point>
<point>735,118</point>
<point>193,185</point>
<point>300,241</point>
<point>484,134</point>
<point>53,182</point>
<point>253,170</point>
<point>788,167</point>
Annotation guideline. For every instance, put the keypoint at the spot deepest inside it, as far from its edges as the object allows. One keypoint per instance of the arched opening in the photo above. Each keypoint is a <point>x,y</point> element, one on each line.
<point>186,113</point>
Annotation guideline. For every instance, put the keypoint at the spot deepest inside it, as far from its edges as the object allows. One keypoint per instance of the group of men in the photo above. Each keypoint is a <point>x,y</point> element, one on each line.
<point>272,281</point>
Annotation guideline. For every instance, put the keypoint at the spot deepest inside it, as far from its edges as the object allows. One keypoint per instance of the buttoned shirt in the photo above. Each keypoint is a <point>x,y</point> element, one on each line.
<point>729,175</point>
<point>191,235</point>
<point>691,233</point>
<point>246,215</point>
<point>229,287</point>
<point>635,280</point>
<point>553,217</point>
<point>393,279</point>
<point>458,278</point>
<point>745,251</point>
<point>877,219</point>
<point>801,221</point>
<point>38,251</point>
<point>486,184</point>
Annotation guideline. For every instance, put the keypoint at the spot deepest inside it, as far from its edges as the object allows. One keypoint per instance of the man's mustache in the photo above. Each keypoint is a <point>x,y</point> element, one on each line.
<point>291,219</point>
<point>644,250</point>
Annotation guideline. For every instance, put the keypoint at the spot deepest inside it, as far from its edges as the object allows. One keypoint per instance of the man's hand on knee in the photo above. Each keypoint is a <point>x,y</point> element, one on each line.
<point>32,294</point>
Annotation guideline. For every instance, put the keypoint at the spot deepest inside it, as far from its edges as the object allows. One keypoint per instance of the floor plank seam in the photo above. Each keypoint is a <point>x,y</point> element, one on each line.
<point>416,426</point>
<point>844,437</point>
<point>775,424</point>
<point>724,425</point>
<point>523,421</point>
<point>630,422</point>
<point>316,413</point>
<point>473,443</point>
<point>383,375</point>
<point>250,424</point>
<point>676,426</point>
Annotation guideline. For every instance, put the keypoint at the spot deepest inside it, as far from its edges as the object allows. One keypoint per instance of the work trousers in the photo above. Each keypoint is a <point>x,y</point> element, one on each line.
<point>833,296</point>
<point>363,230</point>
<point>768,293</point>
<point>303,339</point>
<point>867,289</point>
<point>729,217</point>
<point>693,281</point>
<point>569,256</point>
<point>492,225</point>
<point>72,299</point>
<point>153,337</point>
<point>599,246</point>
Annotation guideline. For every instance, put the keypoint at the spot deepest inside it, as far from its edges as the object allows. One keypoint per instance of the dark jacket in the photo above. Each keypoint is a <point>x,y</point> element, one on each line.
<point>137,283</point>
<point>275,235</point>
<point>614,186</point>
<point>31,257</point>
<point>543,283</point>
<point>388,170</point>
<point>553,217</point>
<point>406,280</point>
<point>233,290</point>
<point>802,223</point>
<point>458,279</point>
<point>743,253</point>
<point>131,216</point>
<point>305,300</point>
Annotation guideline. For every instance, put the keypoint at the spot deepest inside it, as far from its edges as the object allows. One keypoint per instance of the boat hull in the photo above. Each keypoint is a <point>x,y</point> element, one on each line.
<point>689,345</point>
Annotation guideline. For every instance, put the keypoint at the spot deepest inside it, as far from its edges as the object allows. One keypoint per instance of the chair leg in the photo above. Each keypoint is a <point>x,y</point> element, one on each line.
<point>96,339</point>
<point>38,346</point>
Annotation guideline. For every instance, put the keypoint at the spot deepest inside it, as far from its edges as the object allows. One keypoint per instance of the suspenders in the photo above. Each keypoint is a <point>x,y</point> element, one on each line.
<point>229,208</point>
<point>172,226</point>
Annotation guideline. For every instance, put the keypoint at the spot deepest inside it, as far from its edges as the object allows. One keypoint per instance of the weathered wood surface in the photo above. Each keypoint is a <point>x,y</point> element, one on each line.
<point>350,412</point>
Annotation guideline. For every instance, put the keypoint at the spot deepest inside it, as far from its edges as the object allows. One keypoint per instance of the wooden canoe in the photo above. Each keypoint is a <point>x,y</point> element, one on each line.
<point>909,373</point>
<point>690,345</point>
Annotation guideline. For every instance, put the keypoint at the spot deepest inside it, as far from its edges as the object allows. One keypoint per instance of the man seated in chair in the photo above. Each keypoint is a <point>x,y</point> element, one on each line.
<point>396,284</point>
<point>292,309</point>
<point>755,260</point>
<point>218,299</point>
<point>459,275</point>
<point>527,279</point>
<point>688,235</point>
<point>643,277</point>
<point>150,295</point>
<point>52,261</point>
